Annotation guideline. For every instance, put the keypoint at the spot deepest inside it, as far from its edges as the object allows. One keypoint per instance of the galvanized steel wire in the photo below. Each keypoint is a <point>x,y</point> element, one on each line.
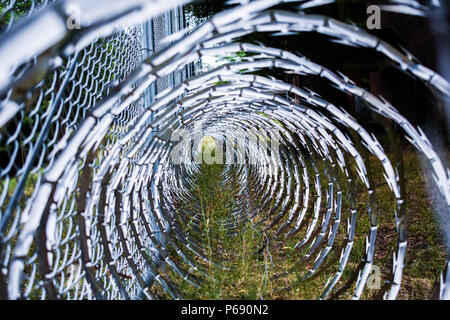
<point>100,219</point>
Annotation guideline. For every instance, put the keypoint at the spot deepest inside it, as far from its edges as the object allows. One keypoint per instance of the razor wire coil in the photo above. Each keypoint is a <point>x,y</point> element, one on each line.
<point>89,187</point>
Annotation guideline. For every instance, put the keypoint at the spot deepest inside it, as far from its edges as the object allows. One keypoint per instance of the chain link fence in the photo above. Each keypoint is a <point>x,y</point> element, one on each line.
<point>90,201</point>
<point>35,131</point>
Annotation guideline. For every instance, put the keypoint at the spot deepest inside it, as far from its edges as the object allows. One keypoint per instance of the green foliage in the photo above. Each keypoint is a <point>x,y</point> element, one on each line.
<point>239,272</point>
<point>205,8</point>
<point>352,11</point>
<point>233,57</point>
<point>19,9</point>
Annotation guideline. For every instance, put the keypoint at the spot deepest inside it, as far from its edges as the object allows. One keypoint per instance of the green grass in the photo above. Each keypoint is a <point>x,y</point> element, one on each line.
<point>240,271</point>
<point>30,185</point>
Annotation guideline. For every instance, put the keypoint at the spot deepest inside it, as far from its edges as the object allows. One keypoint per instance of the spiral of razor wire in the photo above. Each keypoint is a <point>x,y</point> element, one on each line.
<point>101,123</point>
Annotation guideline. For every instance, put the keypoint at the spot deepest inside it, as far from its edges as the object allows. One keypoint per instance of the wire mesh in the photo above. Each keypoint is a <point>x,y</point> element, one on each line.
<point>89,183</point>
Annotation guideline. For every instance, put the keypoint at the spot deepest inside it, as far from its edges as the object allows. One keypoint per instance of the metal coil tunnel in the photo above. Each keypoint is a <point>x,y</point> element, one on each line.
<point>106,215</point>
